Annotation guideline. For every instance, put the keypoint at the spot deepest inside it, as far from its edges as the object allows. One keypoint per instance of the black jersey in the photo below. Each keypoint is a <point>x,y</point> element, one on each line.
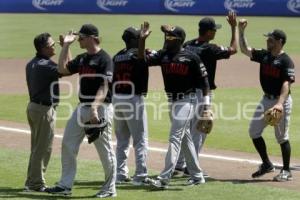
<point>130,73</point>
<point>209,54</point>
<point>182,72</point>
<point>273,70</point>
<point>42,80</point>
<point>93,69</point>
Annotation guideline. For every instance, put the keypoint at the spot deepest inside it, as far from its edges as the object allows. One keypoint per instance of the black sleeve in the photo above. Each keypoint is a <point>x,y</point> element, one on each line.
<point>53,71</point>
<point>107,64</point>
<point>200,73</point>
<point>73,65</point>
<point>219,52</point>
<point>49,69</point>
<point>258,55</point>
<point>289,70</point>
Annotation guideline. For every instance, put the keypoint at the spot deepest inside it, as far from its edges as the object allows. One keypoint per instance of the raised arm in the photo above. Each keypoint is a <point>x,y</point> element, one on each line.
<point>245,49</point>
<point>64,54</point>
<point>231,19</point>
<point>61,43</point>
<point>145,32</point>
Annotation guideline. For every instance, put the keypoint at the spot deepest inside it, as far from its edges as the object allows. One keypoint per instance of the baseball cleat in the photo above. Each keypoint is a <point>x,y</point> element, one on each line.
<point>28,189</point>
<point>158,183</point>
<point>284,175</point>
<point>59,190</point>
<point>124,180</point>
<point>145,181</point>
<point>105,194</point>
<point>192,182</point>
<point>263,169</point>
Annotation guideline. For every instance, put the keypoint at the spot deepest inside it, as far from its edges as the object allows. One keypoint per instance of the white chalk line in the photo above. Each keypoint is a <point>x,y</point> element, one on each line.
<point>161,150</point>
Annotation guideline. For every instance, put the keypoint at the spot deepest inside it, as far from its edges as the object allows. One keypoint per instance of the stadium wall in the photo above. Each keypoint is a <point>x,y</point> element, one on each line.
<point>181,7</point>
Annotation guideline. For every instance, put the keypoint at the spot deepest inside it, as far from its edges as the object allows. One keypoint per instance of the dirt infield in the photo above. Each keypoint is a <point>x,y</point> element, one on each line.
<point>234,73</point>
<point>237,72</point>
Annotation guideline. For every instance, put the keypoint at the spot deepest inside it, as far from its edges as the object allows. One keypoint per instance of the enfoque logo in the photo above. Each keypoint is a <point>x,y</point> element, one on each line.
<point>233,5</point>
<point>105,4</point>
<point>43,4</point>
<point>294,6</point>
<point>175,5</point>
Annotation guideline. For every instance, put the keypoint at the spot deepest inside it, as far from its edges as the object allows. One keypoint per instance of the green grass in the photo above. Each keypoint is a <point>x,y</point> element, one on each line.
<point>18,30</point>
<point>90,176</point>
<point>227,134</point>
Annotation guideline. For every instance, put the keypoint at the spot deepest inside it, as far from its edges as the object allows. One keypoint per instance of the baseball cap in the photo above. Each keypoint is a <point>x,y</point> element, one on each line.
<point>277,34</point>
<point>174,31</point>
<point>208,23</point>
<point>130,33</point>
<point>88,30</point>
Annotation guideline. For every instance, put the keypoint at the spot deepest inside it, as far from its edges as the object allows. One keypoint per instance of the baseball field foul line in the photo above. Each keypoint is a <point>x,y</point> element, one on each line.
<point>156,149</point>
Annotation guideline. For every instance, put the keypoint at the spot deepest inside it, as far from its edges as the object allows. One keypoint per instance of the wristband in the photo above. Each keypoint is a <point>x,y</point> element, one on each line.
<point>206,100</point>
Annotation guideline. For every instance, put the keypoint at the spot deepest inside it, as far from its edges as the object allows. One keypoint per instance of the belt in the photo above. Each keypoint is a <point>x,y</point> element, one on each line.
<point>271,96</point>
<point>42,103</point>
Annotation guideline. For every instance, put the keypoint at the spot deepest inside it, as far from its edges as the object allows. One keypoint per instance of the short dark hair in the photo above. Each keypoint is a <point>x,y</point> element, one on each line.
<point>40,41</point>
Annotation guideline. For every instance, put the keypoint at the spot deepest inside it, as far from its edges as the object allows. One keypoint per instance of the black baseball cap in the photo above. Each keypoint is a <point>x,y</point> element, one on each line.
<point>277,34</point>
<point>131,33</point>
<point>88,30</point>
<point>208,23</point>
<point>174,31</point>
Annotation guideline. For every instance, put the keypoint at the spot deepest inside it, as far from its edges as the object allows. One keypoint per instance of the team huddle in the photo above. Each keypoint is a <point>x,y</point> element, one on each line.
<point>112,93</point>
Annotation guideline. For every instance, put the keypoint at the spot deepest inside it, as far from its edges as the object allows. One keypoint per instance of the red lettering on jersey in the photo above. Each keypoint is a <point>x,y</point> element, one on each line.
<point>123,75</point>
<point>124,67</point>
<point>268,70</point>
<point>175,68</point>
<point>86,70</point>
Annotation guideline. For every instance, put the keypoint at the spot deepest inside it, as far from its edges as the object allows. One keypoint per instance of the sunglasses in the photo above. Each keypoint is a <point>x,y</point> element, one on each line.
<point>51,45</point>
<point>82,36</point>
<point>168,37</point>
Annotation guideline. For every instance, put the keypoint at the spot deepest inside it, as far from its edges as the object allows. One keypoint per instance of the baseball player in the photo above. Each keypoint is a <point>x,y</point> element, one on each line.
<point>42,81</point>
<point>276,76</point>
<point>209,54</point>
<point>95,72</point>
<point>130,84</point>
<point>182,70</point>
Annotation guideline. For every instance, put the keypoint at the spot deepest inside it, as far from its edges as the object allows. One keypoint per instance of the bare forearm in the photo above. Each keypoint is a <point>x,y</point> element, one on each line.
<point>206,92</point>
<point>69,55</point>
<point>100,96</point>
<point>63,60</point>
<point>141,52</point>
<point>284,92</point>
<point>245,49</point>
<point>233,42</point>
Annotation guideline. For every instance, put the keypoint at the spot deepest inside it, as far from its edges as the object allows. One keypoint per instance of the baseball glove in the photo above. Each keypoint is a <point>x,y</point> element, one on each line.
<point>92,131</point>
<point>272,116</point>
<point>205,123</point>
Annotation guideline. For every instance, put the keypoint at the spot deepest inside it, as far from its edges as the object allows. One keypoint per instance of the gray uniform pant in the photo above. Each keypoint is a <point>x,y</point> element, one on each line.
<point>73,137</point>
<point>130,119</point>
<point>258,124</point>
<point>197,136</point>
<point>181,113</point>
<point>41,120</point>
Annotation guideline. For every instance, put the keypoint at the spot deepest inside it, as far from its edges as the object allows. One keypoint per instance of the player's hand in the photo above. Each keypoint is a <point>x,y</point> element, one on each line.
<point>94,119</point>
<point>242,24</point>
<point>231,18</point>
<point>69,38</point>
<point>145,32</point>
<point>61,40</point>
<point>278,107</point>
